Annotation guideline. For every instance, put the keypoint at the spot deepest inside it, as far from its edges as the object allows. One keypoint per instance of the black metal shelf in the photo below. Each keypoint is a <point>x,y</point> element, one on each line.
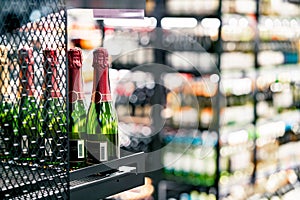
<point>23,181</point>
<point>103,180</point>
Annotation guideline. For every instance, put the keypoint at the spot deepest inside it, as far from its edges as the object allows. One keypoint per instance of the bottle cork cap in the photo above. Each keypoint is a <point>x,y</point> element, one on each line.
<point>100,58</point>
<point>75,58</point>
<point>26,56</point>
<point>50,56</point>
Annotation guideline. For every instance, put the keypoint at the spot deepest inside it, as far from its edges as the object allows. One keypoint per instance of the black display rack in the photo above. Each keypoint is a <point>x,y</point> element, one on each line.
<point>42,171</point>
<point>103,180</point>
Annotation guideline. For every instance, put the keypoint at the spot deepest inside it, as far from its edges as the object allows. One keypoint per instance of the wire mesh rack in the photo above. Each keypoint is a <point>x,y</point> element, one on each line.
<point>33,110</point>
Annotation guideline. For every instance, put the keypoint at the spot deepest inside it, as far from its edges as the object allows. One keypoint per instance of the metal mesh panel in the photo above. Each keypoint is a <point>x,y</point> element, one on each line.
<point>33,131</point>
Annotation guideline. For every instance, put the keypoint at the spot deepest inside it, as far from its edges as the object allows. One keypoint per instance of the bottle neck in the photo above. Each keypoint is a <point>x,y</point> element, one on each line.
<point>27,79</point>
<point>4,84</point>
<point>75,85</point>
<point>101,89</point>
<point>51,81</point>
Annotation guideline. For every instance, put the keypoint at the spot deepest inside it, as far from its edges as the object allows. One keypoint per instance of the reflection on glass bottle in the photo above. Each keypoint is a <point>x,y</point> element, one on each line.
<point>77,111</point>
<point>102,122</point>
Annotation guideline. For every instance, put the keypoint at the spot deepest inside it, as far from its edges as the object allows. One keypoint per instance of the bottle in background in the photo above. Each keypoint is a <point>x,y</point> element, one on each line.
<point>52,113</point>
<point>102,123</point>
<point>27,121</point>
<point>6,108</point>
<point>77,110</point>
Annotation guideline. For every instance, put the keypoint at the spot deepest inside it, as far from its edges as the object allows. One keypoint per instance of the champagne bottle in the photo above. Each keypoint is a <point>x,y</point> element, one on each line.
<point>27,123</point>
<point>6,108</point>
<point>52,114</point>
<point>102,123</point>
<point>77,111</point>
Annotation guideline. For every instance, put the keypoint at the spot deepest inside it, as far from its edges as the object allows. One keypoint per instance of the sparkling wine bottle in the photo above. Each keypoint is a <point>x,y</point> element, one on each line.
<point>6,108</point>
<point>28,109</point>
<point>77,111</point>
<point>53,130</point>
<point>102,123</point>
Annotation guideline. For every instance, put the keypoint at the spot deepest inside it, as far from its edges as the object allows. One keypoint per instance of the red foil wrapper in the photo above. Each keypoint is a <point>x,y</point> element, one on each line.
<point>101,89</point>
<point>50,67</point>
<point>26,62</point>
<point>75,75</point>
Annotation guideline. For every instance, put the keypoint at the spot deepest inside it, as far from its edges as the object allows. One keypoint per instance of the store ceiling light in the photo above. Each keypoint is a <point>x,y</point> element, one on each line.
<point>111,8</point>
<point>118,13</point>
<point>147,22</point>
<point>178,22</point>
<point>211,23</point>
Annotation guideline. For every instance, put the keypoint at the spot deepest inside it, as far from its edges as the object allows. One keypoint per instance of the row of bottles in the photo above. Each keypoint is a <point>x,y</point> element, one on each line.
<point>190,156</point>
<point>189,100</point>
<point>133,91</point>
<point>33,107</point>
<point>134,136</point>
<point>271,28</point>
<point>277,143</point>
<point>93,134</point>
<point>195,195</point>
<point>32,126</point>
<point>239,32</point>
<point>236,156</point>
<point>280,185</point>
<point>191,7</point>
<point>190,61</point>
<point>197,7</point>
<point>277,7</point>
<point>189,96</point>
<point>277,92</point>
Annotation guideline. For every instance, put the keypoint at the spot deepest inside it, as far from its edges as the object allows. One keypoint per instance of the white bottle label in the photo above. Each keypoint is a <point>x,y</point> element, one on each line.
<point>103,151</point>
<point>80,148</point>
<point>24,144</point>
<point>48,149</point>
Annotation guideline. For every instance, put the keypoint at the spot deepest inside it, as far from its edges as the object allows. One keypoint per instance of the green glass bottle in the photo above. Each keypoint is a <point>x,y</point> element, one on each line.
<point>77,111</point>
<point>28,109</point>
<point>53,119</point>
<point>102,123</point>
<point>6,109</point>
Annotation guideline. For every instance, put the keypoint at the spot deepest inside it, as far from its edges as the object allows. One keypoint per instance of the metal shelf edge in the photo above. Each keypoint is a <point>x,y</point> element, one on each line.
<point>107,186</point>
<point>137,160</point>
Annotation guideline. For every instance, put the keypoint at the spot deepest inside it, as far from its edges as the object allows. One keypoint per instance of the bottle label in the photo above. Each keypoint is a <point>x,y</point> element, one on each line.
<point>76,149</point>
<point>97,150</point>
<point>48,145</point>
<point>80,148</point>
<point>103,151</point>
<point>24,144</point>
